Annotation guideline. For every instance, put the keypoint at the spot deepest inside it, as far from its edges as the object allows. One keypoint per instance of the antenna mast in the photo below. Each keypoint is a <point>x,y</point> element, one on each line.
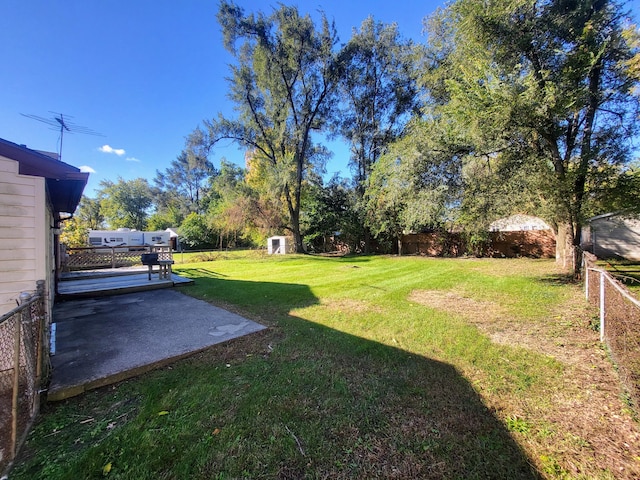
<point>60,122</point>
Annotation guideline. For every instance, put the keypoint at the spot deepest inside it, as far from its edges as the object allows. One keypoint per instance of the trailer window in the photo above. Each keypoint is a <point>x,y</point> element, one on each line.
<point>95,240</point>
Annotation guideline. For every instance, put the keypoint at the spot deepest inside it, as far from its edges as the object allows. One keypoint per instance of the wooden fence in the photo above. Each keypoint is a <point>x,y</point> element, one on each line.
<point>87,258</point>
<point>24,353</point>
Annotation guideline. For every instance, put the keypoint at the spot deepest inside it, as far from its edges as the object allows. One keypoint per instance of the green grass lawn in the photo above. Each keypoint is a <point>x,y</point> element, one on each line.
<point>356,377</point>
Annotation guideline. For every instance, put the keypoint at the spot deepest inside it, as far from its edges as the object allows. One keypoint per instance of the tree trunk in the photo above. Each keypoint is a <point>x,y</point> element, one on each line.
<point>367,240</point>
<point>297,240</point>
<point>295,229</point>
<point>565,247</point>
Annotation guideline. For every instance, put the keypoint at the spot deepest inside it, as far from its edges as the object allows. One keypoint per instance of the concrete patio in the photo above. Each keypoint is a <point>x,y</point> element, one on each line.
<point>106,339</point>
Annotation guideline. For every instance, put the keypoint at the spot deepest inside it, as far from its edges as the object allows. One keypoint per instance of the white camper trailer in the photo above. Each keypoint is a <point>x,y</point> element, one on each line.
<point>126,237</point>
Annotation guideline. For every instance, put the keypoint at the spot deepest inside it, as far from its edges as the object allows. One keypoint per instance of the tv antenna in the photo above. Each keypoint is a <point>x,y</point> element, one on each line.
<point>60,122</point>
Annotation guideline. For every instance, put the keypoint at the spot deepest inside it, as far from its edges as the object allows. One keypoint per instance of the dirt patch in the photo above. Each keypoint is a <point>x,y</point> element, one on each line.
<point>349,305</point>
<point>457,303</point>
<point>584,426</point>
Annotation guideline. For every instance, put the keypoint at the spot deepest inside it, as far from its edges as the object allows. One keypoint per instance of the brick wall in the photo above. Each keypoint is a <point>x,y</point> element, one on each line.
<point>532,243</point>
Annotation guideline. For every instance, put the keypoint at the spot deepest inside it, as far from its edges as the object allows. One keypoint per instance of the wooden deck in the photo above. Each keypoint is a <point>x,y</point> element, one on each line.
<point>95,283</point>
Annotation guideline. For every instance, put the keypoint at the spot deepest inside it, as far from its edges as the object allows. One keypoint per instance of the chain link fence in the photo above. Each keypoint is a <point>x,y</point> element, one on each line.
<point>24,364</point>
<point>619,323</point>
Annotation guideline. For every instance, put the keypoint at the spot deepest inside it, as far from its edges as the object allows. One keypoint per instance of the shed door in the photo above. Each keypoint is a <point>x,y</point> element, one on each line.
<point>275,245</point>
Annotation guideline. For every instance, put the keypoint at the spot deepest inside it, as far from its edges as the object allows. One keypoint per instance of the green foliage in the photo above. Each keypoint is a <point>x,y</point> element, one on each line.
<point>378,93</point>
<point>414,186</point>
<point>541,87</point>
<point>74,233</point>
<point>195,232</point>
<point>330,215</point>
<point>169,217</point>
<point>615,189</point>
<point>126,203</point>
<point>182,186</point>
<point>89,212</point>
<point>88,216</point>
<point>228,211</point>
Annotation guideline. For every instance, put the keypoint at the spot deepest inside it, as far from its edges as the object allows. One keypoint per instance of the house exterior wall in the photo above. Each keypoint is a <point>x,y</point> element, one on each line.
<point>614,236</point>
<point>25,247</point>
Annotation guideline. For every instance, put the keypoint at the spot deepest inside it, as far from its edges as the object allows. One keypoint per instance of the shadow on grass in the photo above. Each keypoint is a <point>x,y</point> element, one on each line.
<point>299,400</point>
<point>559,279</point>
<point>366,410</point>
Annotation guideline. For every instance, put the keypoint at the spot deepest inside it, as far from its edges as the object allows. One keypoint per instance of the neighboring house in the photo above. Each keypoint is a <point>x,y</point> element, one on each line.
<point>521,235</point>
<point>518,223</point>
<point>37,192</point>
<point>613,235</point>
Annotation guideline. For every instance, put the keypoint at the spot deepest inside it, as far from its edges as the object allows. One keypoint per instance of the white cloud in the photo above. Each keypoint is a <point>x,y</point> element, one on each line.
<point>110,149</point>
<point>86,169</point>
<point>132,159</point>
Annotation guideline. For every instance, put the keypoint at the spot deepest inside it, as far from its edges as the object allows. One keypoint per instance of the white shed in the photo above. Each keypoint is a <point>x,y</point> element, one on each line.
<point>280,245</point>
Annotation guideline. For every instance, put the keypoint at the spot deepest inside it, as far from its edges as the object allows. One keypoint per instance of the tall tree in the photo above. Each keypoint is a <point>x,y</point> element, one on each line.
<point>89,213</point>
<point>126,203</point>
<point>184,183</point>
<point>329,215</point>
<point>229,210</point>
<point>281,84</point>
<point>541,83</point>
<point>195,232</point>
<point>416,185</point>
<point>379,92</point>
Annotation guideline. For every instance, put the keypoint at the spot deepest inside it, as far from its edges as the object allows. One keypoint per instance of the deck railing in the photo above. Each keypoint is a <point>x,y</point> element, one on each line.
<point>24,364</point>
<point>85,258</point>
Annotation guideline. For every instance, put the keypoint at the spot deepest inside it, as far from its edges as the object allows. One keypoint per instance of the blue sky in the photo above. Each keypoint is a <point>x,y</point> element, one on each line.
<point>143,73</point>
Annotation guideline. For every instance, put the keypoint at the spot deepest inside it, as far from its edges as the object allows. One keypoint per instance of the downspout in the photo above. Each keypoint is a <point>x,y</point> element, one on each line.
<point>56,249</point>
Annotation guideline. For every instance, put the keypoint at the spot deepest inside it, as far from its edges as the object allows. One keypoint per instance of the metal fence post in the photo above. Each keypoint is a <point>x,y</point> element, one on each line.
<point>602,312</point>
<point>24,296</point>
<point>40,341</point>
<point>16,385</point>
<point>586,283</point>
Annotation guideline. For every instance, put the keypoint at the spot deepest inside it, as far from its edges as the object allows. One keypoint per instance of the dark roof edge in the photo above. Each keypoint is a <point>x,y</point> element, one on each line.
<point>65,182</point>
<point>38,164</point>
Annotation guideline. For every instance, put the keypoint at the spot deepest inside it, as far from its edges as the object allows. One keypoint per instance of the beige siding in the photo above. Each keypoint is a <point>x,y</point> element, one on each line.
<point>24,250</point>
<point>18,253</point>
